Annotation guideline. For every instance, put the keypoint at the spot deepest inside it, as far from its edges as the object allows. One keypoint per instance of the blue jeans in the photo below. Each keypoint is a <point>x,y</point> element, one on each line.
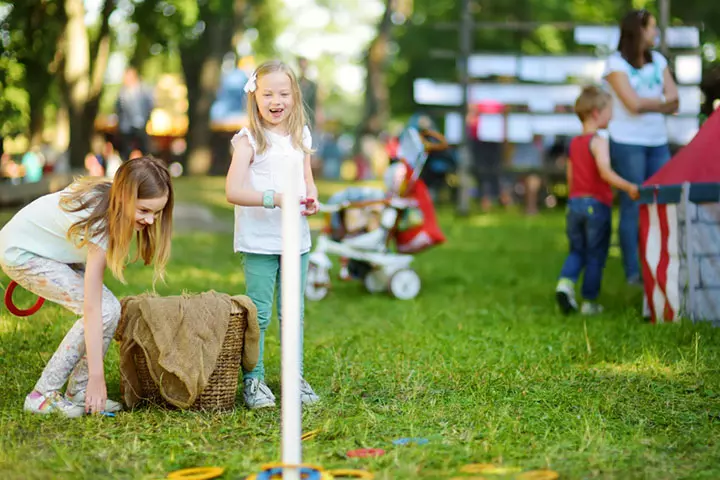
<point>635,164</point>
<point>262,279</point>
<point>588,228</point>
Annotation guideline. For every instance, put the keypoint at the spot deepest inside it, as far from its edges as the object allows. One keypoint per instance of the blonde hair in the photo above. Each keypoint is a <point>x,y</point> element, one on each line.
<point>297,119</point>
<point>591,98</point>
<point>112,214</point>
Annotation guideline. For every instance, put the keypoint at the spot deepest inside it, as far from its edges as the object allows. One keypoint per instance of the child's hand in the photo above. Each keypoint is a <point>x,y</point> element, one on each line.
<point>311,206</point>
<point>633,192</point>
<point>95,395</point>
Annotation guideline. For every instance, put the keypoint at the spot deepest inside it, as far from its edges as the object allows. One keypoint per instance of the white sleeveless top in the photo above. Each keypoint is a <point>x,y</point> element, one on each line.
<point>40,229</point>
<point>259,229</point>
<point>645,129</point>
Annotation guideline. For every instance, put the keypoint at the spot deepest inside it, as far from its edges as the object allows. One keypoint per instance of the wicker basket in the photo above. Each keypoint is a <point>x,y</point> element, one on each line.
<point>219,394</point>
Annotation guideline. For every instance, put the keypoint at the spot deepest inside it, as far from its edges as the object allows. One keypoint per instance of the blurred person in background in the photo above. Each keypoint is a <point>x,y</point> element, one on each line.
<point>309,90</point>
<point>133,108</point>
<point>440,161</point>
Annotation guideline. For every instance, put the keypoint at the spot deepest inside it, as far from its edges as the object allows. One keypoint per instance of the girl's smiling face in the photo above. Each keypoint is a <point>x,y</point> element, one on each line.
<point>274,98</point>
<point>146,211</point>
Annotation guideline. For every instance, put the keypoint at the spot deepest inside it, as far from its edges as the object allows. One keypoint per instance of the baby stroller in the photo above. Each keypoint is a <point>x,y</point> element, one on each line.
<point>364,224</point>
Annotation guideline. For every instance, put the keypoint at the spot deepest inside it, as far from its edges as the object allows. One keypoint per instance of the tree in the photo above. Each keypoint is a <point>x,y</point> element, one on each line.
<point>13,98</point>
<point>376,111</point>
<point>83,63</point>
<point>203,33</point>
<point>34,28</point>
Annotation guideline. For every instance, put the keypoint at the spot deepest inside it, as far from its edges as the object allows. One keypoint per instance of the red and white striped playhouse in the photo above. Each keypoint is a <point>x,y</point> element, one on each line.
<point>680,232</point>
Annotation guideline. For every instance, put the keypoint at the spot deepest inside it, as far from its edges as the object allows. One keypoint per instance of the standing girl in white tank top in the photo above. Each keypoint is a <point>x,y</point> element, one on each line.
<point>276,137</point>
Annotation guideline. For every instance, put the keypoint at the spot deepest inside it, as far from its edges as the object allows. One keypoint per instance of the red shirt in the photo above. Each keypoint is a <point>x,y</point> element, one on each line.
<point>586,180</point>
<point>482,107</point>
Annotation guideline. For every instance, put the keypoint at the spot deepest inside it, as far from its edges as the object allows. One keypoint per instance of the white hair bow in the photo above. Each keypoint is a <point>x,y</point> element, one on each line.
<point>251,85</point>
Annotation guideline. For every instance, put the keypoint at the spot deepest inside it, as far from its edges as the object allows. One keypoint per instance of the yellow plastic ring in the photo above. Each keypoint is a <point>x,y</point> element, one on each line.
<point>348,473</point>
<point>539,475</point>
<point>309,435</point>
<point>488,468</point>
<point>199,473</point>
<point>477,468</point>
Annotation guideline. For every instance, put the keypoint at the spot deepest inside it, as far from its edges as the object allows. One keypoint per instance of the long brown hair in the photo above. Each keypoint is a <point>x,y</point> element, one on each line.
<point>112,214</point>
<point>297,118</point>
<point>630,44</point>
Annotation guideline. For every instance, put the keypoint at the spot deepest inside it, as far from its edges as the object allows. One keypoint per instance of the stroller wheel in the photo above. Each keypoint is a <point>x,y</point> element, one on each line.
<point>405,284</point>
<point>317,283</point>
<point>376,281</point>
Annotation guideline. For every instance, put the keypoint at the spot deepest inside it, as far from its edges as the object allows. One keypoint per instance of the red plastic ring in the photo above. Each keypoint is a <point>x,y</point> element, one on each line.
<point>14,309</point>
<point>366,452</point>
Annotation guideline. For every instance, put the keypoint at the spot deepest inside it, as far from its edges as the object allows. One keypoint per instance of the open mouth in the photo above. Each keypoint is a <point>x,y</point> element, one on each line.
<point>277,112</point>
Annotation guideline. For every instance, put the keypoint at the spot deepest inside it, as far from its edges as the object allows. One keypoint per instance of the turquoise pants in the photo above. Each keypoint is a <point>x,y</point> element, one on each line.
<point>262,278</point>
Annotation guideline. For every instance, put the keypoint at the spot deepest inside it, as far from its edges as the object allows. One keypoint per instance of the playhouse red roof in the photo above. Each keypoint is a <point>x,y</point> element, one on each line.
<point>698,161</point>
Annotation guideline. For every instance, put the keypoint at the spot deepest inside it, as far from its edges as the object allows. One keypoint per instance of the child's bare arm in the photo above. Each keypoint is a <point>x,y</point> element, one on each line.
<point>601,152</point>
<point>635,104</point>
<point>235,190</point>
<point>309,178</point>
<point>96,393</point>
<point>311,205</point>
<point>435,147</point>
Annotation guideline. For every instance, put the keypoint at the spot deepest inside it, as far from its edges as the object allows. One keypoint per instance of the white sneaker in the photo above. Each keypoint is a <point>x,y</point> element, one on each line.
<point>565,296</point>
<point>52,402</point>
<point>257,394</point>
<point>307,394</point>
<point>78,399</point>
<point>591,308</point>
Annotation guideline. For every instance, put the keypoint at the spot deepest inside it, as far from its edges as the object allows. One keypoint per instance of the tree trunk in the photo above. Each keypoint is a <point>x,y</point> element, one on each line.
<point>376,112</point>
<point>61,142</point>
<point>37,118</point>
<point>40,72</point>
<point>82,76</point>
<point>202,63</point>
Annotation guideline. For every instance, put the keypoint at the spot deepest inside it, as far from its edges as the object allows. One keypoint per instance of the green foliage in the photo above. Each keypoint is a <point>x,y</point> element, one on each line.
<point>418,36</point>
<point>32,30</point>
<point>14,115</point>
<point>480,364</point>
<point>180,23</point>
<point>263,16</point>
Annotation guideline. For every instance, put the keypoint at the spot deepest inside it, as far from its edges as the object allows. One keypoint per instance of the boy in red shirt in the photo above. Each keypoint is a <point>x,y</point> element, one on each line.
<point>589,210</point>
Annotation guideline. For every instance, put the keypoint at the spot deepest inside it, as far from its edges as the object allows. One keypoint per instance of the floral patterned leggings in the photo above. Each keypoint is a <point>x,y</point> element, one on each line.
<point>64,284</point>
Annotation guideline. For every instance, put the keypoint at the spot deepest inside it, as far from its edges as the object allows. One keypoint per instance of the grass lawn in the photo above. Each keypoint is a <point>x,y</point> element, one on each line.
<point>480,364</point>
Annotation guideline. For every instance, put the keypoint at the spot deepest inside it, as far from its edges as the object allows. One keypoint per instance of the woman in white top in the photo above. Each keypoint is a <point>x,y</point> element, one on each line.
<point>643,93</point>
<point>276,137</point>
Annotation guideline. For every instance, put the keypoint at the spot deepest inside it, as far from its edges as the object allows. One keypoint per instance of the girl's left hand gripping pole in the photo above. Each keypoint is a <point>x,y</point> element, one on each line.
<point>14,309</point>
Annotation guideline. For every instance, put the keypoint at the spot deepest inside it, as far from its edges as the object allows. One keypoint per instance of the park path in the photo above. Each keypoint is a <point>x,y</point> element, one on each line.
<point>191,217</point>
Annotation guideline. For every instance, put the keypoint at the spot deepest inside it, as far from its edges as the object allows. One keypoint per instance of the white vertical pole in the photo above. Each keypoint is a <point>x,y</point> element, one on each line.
<point>290,334</point>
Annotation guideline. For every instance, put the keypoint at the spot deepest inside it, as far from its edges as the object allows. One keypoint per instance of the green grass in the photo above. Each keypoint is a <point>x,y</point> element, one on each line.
<point>480,364</point>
